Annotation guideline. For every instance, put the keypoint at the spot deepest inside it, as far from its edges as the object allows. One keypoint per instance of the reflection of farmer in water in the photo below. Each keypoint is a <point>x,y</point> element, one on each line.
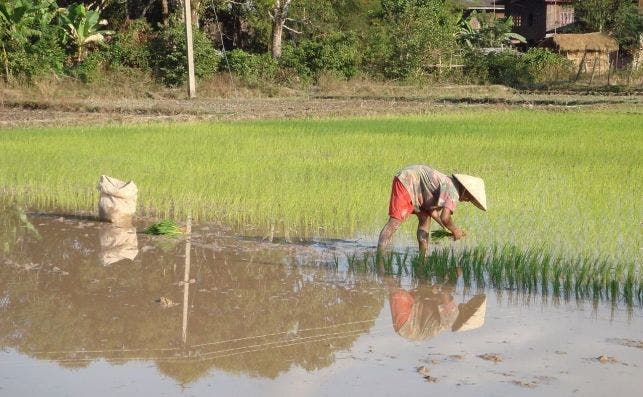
<point>429,194</point>
<point>424,312</point>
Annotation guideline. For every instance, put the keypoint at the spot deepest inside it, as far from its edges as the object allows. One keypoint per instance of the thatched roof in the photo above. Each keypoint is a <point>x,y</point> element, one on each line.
<point>585,42</point>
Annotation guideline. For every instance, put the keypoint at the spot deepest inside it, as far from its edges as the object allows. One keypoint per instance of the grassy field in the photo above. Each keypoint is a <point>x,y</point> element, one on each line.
<point>565,181</point>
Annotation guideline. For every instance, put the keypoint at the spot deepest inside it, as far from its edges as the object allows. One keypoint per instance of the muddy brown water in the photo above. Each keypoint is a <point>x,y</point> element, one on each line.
<point>90,309</point>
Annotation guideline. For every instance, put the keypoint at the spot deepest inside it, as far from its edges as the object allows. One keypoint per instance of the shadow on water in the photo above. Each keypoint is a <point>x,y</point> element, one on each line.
<point>74,291</point>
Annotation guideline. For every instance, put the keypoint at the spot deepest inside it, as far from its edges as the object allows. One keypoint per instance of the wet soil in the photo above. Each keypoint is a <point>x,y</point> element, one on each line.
<point>92,309</point>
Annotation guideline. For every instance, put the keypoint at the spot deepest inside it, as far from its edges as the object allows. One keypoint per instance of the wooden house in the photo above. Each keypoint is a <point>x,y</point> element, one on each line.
<point>538,19</point>
<point>496,7</point>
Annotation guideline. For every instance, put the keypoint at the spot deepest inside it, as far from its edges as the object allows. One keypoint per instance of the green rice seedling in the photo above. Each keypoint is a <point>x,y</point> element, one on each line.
<point>520,154</point>
<point>521,271</point>
<point>440,234</point>
<point>614,291</point>
<point>166,227</point>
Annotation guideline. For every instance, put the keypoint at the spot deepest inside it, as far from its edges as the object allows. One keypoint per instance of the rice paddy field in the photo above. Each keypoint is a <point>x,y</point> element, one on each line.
<point>276,287</point>
<point>563,182</point>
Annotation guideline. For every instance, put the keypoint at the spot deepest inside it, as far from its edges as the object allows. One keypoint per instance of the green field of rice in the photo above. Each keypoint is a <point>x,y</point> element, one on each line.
<point>568,182</point>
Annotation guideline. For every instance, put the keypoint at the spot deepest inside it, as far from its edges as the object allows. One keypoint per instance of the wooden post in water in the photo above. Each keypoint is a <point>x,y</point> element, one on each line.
<point>187,12</point>
<point>186,279</point>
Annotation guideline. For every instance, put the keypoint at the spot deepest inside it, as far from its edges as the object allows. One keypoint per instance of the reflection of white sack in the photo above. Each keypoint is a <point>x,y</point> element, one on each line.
<point>471,314</point>
<point>117,200</point>
<point>117,243</point>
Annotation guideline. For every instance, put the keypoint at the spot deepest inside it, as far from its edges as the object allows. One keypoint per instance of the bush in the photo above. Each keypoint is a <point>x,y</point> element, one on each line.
<point>92,68</point>
<point>537,66</point>
<point>506,67</point>
<point>407,36</point>
<point>545,67</point>
<point>476,67</point>
<point>131,46</point>
<point>254,69</point>
<point>337,52</point>
<point>30,60</point>
<point>168,54</point>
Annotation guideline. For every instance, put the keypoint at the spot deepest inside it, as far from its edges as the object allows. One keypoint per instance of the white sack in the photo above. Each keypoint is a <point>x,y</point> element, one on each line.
<point>117,202</point>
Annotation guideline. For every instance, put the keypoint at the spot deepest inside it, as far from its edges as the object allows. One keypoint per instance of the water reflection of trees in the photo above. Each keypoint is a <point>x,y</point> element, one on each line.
<point>252,309</point>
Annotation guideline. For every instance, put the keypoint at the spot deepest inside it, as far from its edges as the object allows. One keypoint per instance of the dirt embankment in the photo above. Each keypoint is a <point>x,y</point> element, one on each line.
<point>21,108</point>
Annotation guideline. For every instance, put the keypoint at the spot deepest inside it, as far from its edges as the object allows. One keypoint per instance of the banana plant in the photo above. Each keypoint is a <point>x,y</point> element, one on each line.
<point>83,28</point>
<point>22,21</point>
<point>483,30</point>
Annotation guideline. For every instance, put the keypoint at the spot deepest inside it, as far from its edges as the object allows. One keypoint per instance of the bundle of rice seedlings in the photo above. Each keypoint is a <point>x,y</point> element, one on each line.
<point>166,227</point>
<point>440,234</point>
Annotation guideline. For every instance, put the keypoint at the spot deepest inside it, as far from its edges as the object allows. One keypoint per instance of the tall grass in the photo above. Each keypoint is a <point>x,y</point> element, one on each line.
<point>570,181</point>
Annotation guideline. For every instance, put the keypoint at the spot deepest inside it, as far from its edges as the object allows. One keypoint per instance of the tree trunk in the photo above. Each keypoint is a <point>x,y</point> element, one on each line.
<point>165,11</point>
<point>195,13</point>
<point>277,30</point>
<point>280,14</point>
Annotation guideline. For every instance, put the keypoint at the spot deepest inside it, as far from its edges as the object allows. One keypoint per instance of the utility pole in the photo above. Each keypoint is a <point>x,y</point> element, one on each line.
<point>187,12</point>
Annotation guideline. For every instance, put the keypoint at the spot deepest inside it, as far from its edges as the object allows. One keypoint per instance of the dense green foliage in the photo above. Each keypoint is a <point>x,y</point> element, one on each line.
<point>545,172</point>
<point>538,66</point>
<point>172,67</point>
<point>131,48</point>
<point>31,45</point>
<point>405,40</point>
<point>253,69</point>
<point>621,18</point>
<point>337,52</point>
<point>410,36</point>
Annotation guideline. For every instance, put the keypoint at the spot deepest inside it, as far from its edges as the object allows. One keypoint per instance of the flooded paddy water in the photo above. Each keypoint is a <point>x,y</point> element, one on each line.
<point>91,309</point>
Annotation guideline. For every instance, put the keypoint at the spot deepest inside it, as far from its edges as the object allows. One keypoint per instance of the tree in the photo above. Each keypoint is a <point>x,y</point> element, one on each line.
<point>408,36</point>
<point>620,18</point>
<point>594,14</point>
<point>279,17</point>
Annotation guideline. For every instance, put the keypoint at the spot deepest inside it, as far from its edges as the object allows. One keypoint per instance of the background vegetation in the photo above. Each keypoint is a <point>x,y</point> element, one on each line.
<point>285,42</point>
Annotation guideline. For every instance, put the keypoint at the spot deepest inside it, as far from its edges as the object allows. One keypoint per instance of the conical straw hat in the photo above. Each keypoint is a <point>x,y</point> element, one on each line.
<point>471,314</point>
<point>475,186</point>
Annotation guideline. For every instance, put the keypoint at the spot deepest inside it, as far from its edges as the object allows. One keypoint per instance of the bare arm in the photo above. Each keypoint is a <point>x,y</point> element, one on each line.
<point>447,221</point>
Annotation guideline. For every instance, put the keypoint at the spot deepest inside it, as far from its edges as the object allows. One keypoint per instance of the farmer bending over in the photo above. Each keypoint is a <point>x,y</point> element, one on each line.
<point>428,193</point>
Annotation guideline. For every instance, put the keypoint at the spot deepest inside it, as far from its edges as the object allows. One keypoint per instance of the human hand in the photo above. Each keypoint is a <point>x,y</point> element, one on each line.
<point>458,234</point>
